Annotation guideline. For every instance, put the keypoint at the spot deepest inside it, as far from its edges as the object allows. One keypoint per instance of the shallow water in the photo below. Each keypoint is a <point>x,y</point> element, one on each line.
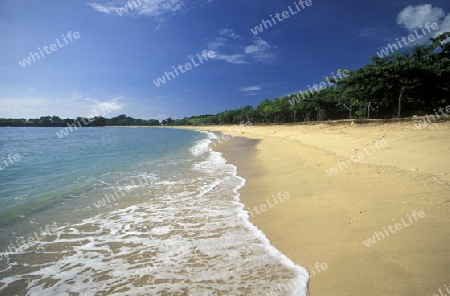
<point>166,223</point>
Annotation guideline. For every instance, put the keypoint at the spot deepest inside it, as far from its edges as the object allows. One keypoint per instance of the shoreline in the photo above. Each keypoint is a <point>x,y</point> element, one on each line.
<point>327,219</point>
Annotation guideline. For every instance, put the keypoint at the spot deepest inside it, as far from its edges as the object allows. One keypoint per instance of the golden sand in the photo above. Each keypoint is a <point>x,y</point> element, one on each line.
<point>327,219</point>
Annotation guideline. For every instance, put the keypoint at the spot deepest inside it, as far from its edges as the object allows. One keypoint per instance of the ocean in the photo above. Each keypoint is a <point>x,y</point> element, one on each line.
<point>129,211</point>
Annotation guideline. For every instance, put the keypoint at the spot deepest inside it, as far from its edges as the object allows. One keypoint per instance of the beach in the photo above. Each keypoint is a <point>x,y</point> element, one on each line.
<point>368,206</point>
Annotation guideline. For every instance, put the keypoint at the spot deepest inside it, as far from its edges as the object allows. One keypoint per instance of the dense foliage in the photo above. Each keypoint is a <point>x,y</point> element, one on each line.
<point>413,82</point>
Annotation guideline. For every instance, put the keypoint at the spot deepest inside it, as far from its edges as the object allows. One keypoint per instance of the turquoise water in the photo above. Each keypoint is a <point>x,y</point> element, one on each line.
<point>51,169</point>
<point>129,211</point>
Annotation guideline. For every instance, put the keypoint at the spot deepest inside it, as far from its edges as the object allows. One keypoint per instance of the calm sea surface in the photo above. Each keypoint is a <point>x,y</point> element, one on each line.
<point>129,211</point>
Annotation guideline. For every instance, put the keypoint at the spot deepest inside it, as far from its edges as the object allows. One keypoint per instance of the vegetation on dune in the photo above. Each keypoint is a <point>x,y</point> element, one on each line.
<point>413,82</point>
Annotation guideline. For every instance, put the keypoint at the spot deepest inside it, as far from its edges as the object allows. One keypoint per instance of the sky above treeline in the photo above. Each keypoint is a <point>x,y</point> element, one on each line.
<point>175,58</point>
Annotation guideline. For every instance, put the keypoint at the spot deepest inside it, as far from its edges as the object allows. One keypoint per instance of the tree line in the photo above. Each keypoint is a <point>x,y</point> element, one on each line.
<point>415,81</point>
<point>55,121</point>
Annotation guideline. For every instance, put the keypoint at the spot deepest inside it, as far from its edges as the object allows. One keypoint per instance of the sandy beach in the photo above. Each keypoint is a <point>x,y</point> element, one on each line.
<point>375,225</point>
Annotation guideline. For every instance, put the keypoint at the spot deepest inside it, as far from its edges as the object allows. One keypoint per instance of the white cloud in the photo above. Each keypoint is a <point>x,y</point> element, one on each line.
<point>260,50</point>
<point>103,8</point>
<point>216,43</point>
<point>159,7</point>
<point>227,49</point>
<point>229,33</point>
<point>150,8</point>
<point>445,25</point>
<point>251,88</point>
<point>232,59</point>
<point>413,17</point>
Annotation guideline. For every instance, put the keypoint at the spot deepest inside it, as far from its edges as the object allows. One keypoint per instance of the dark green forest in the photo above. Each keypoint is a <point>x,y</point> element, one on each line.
<point>412,82</point>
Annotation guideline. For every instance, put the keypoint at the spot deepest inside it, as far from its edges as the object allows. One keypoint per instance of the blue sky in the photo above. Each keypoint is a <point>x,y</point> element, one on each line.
<point>117,57</point>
